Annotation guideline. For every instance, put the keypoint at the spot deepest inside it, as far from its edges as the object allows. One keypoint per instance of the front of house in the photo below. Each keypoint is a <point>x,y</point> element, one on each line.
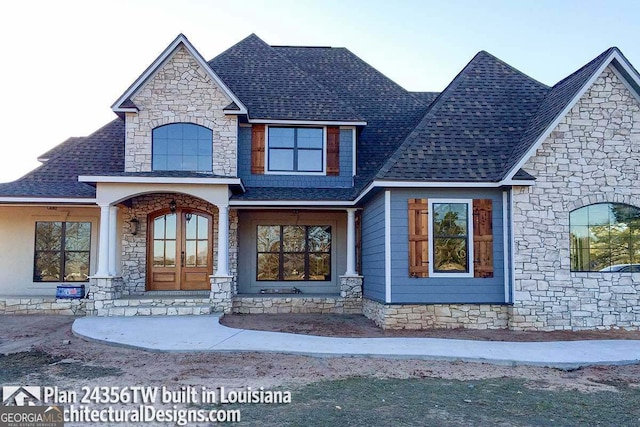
<point>278,179</point>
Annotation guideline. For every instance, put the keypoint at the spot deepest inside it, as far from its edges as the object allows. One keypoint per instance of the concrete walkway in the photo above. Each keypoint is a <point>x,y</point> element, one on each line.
<point>205,333</point>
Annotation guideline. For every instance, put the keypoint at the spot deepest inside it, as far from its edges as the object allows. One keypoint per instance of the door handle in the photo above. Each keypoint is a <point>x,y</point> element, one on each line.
<point>182,259</point>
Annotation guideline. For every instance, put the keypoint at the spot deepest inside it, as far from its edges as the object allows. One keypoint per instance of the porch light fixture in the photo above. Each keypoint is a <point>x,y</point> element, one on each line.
<point>188,216</point>
<point>135,224</point>
<point>172,206</point>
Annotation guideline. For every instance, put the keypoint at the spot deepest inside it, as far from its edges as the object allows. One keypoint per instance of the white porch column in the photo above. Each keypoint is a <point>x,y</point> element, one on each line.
<point>113,238</point>
<point>351,243</point>
<point>223,241</point>
<point>103,248</point>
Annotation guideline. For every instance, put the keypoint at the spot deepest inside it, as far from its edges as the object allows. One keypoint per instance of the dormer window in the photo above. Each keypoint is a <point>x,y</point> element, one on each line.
<point>295,149</point>
<point>182,147</point>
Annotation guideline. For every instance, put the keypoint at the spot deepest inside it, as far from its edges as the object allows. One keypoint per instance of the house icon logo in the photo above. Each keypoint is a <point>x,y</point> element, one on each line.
<point>21,396</point>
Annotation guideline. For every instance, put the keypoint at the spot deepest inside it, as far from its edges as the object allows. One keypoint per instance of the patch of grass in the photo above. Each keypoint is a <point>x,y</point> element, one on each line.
<point>16,365</point>
<point>494,402</point>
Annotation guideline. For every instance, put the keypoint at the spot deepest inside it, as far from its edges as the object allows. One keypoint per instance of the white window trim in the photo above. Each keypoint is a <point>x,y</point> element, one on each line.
<point>469,203</point>
<point>324,154</point>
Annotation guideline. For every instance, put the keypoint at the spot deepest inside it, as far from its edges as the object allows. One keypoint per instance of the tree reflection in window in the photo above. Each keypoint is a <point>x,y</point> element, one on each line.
<point>62,251</point>
<point>604,235</point>
<point>450,237</point>
<point>294,253</point>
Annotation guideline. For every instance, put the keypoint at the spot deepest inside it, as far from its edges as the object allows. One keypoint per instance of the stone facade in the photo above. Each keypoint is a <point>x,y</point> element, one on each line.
<point>221,293</point>
<point>432,316</point>
<point>592,156</point>
<point>43,305</point>
<point>349,301</point>
<point>105,288</point>
<point>153,306</point>
<point>134,248</point>
<point>181,91</point>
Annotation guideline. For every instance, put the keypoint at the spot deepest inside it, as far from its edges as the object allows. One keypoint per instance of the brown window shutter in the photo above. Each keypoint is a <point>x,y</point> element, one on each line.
<point>333,150</point>
<point>482,238</point>
<point>257,149</point>
<point>418,238</point>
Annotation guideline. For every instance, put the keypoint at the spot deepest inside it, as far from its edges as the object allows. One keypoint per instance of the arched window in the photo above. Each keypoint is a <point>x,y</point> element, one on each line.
<point>605,237</point>
<point>182,147</point>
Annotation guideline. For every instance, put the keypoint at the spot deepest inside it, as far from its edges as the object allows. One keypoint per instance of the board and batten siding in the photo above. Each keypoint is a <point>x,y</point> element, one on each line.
<point>408,290</point>
<point>373,265</point>
<point>343,180</point>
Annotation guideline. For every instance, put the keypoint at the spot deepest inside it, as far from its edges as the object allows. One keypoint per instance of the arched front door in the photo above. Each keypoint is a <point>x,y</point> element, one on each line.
<point>179,250</point>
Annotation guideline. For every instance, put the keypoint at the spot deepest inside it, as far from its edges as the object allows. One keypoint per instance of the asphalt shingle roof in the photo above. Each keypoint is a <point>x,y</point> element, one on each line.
<point>391,111</point>
<point>97,154</point>
<point>477,129</point>
<point>273,87</point>
<point>470,131</point>
<point>288,193</point>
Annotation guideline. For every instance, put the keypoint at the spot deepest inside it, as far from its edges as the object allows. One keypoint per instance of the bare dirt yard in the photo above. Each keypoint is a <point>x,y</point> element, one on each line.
<point>41,350</point>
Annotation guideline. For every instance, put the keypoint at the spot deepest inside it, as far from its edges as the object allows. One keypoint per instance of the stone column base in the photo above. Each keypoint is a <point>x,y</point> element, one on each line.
<point>351,291</point>
<point>105,288</point>
<point>220,295</point>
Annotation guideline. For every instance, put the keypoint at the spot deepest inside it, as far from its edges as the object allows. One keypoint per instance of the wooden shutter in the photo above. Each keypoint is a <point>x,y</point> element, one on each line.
<point>418,238</point>
<point>257,149</point>
<point>482,238</point>
<point>333,150</point>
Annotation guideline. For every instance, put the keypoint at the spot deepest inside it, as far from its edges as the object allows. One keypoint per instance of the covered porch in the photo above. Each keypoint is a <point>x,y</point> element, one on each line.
<point>181,248</point>
<point>164,246</point>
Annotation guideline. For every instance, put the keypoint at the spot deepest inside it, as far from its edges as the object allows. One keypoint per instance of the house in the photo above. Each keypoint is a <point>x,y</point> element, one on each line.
<point>280,179</point>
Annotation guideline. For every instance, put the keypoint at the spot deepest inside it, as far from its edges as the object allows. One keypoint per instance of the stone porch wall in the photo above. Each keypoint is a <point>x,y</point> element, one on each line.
<point>432,316</point>
<point>348,302</point>
<point>134,248</point>
<point>44,305</point>
<point>592,156</point>
<point>181,91</point>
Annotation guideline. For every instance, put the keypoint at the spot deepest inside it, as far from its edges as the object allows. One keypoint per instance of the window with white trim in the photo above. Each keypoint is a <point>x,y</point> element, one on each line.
<point>450,238</point>
<point>295,149</point>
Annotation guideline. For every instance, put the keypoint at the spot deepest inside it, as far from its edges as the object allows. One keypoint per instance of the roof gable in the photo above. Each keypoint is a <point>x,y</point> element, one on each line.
<point>561,99</point>
<point>469,131</point>
<point>124,103</point>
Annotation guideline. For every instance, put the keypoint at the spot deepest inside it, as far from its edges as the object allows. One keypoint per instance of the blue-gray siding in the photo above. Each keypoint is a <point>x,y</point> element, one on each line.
<point>373,248</point>
<point>405,289</point>
<point>344,180</point>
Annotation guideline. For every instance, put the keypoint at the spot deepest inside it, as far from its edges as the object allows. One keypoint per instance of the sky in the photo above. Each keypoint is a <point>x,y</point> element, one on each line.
<point>65,62</point>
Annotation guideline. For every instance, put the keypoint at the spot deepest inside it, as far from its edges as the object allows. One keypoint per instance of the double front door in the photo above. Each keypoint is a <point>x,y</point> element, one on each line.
<point>180,251</point>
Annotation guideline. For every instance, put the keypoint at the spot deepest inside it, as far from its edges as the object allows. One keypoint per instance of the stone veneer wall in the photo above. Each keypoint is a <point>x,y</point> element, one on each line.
<point>592,156</point>
<point>134,248</point>
<point>44,305</point>
<point>348,302</point>
<point>432,316</point>
<point>180,91</point>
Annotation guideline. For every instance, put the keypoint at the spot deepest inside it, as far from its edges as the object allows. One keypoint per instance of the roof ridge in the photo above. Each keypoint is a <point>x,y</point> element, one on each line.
<point>75,140</point>
<point>511,67</point>
<point>317,83</point>
<point>600,56</point>
<point>428,115</point>
<point>252,35</point>
<point>306,47</point>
